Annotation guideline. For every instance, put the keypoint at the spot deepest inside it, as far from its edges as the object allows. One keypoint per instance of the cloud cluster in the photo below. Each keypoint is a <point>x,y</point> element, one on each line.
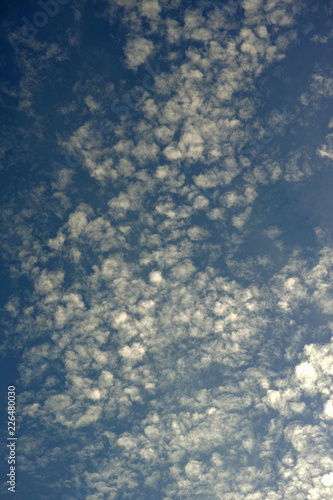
<point>175,337</point>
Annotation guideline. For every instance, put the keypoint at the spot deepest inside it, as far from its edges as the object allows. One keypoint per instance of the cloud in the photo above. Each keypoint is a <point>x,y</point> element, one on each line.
<point>155,277</point>
<point>137,51</point>
<point>133,353</point>
<point>150,8</point>
<point>170,304</point>
<point>326,150</point>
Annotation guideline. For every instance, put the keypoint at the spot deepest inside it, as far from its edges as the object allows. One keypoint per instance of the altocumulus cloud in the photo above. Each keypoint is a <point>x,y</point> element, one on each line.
<point>170,299</point>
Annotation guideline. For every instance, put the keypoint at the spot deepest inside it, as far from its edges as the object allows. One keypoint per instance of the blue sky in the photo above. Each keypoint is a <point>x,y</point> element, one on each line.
<point>166,246</point>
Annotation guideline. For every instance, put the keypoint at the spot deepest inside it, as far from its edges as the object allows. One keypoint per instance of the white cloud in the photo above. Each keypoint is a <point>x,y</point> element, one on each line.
<point>328,409</point>
<point>155,277</point>
<point>327,479</point>
<point>326,150</point>
<point>137,51</point>
<point>170,320</point>
<point>150,8</point>
<point>133,353</point>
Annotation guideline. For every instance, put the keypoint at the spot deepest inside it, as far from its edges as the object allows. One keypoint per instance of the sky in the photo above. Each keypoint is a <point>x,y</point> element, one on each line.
<point>166,248</point>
